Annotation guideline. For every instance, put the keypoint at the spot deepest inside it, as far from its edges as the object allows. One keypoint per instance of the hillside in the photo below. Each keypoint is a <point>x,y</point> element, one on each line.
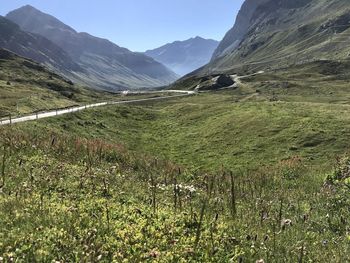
<point>253,167</point>
<point>267,36</point>
<point>236,34</point>
<point>26,86</point>
<point>183,57</point>
<point>197,179</point>
<point>35,47</point>
<point>106,65</point>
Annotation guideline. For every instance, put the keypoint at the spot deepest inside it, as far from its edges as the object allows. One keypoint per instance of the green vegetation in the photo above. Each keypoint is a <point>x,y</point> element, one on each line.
<point>283,34</point>
<point>26,86</point>
<point>237,129</point>
<point>237,175</point>
<point>257,173</point>
<point>65,198</point>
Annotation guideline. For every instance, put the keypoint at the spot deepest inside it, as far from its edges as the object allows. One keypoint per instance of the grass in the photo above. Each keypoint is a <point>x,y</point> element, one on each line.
<point>214,130</point>
<point>26,86</point>
<point>64,198</point>
<point>231,176</point>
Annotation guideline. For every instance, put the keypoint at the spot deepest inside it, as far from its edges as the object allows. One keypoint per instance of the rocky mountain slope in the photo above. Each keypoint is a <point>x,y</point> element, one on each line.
<point>35,47</point>
<point>105,64</point>
<point>183,57</point>
<point>272,34</point>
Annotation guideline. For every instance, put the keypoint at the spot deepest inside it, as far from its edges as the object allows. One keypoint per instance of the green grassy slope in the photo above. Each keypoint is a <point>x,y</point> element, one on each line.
<point>71,191</point>
<point>26,86</point>
<point>285,34</point>
<point>289,34</point>
<point>240,129</point>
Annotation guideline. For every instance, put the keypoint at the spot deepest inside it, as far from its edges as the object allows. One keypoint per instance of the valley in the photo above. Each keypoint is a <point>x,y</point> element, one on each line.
<point>131,154</point>
<point>244,159</point>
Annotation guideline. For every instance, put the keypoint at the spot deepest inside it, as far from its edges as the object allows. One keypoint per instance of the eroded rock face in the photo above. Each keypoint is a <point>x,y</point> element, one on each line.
<point>252,9</point>
<point>240,28</point>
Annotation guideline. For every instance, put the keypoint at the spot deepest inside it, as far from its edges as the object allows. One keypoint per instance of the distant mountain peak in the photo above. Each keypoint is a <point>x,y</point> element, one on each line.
<point>105,64</point>
<point>198,37</point>
<point>185,56</point>
<point>28,7</point>
<point>32,19</point>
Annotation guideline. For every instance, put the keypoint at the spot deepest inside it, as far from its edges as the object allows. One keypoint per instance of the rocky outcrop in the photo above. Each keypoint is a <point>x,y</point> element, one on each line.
<point>215,82</point>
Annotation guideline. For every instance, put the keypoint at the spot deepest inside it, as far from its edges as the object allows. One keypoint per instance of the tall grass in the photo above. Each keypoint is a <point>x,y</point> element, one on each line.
<point>72,199</point>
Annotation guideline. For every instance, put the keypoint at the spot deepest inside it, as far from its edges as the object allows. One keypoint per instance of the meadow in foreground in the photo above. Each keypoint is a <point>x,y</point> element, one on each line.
<point>78,198</point>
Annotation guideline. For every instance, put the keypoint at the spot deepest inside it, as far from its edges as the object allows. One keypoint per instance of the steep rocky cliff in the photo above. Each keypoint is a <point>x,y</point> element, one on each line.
<point>272,34</point>
<point>235,35</point>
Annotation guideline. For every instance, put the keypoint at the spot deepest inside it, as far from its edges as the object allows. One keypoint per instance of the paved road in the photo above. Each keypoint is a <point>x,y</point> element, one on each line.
<point>237,79</point>
<point>53,113</point>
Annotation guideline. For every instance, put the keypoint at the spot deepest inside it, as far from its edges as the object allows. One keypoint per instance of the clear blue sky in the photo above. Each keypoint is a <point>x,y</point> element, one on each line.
<point>140,24</point>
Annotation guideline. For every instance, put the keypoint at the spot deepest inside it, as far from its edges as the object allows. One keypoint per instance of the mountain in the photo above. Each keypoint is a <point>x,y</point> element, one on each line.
<point>35,47</point>
<point>183,57</point>
<point>26,86</point>
<point>275,34</point>
<point>235,35</point>
<point>106,65</point>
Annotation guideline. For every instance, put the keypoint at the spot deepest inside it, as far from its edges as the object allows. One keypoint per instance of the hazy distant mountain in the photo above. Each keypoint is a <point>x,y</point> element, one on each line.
<point>183,57</point>
<point>35,47</point>
<point>106,65</point>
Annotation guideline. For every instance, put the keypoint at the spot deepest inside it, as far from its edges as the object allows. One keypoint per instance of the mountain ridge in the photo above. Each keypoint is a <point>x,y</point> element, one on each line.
<point>106,65</point>
<point>281,34</point>
<point>35,47</point>
<point>185,56</point>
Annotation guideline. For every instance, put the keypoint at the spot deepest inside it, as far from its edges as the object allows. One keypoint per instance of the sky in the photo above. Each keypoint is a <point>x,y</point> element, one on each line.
<point>140,25</point>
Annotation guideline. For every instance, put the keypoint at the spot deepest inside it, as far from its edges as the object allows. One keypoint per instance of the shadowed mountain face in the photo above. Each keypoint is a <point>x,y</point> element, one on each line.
<point>185,56</point>
<point>106,65</point>
<point>35,47</point>
<point>29,85</point>
<point>271,34</point>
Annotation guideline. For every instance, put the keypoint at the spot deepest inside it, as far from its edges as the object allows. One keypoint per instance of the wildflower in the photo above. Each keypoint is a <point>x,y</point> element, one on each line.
<point>174,241</point>
<point>162,187</point>
<point>260,261</point>
<point>286,223</point>
<point>190,188</point>
<point>154,254</point>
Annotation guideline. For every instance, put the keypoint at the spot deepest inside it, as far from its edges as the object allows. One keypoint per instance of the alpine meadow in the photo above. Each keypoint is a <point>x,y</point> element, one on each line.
<point>193,151</point>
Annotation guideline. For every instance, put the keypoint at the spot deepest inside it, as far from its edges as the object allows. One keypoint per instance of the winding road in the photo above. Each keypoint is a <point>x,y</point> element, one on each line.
<point>52,113</point>
<point>57,112</point>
